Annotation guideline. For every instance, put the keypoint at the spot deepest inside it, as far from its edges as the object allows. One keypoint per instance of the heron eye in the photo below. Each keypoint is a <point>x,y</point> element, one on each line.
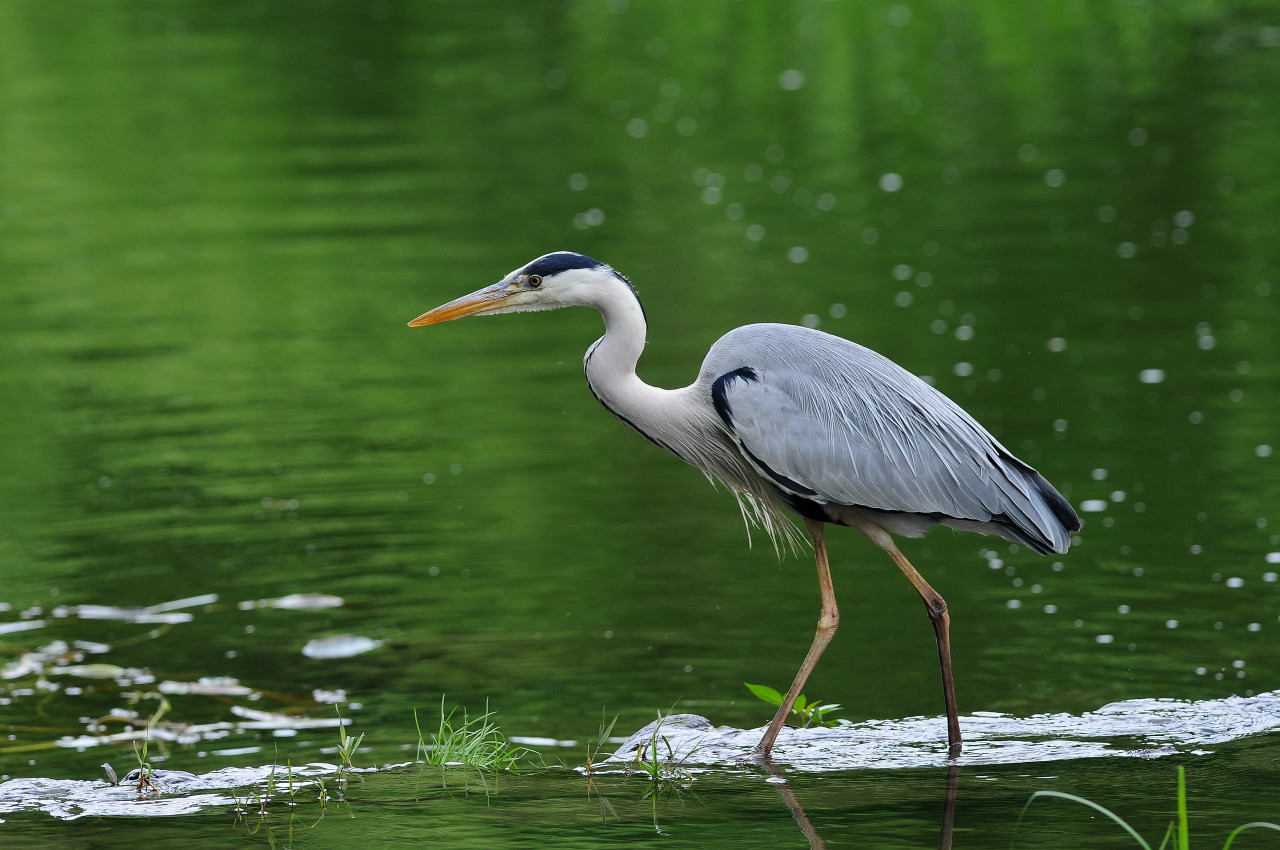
<point>534,280</point>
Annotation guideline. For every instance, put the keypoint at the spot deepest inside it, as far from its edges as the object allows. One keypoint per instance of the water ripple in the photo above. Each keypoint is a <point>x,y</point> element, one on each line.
<point>177,792</point>
<point>1145,728</point>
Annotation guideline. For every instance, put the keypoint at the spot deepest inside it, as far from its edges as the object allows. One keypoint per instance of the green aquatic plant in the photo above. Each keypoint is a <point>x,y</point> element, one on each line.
<point>1176,837</point>
<point>145,770</point>
<point>475,742</point>
<point>807,713</point>
<point>602,738</point>
<point>347,746</point>
<point>655,762</point>
<point>259,808</point>
<point>588,770</point>
<point>665,775</point>
<point>254,810</point>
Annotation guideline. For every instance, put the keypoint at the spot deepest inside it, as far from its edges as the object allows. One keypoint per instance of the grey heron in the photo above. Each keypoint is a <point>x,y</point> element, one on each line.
<point>794,419</point>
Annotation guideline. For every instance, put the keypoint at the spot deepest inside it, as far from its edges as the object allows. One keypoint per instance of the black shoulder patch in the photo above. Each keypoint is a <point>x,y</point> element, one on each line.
<point>721,386</point>
<point>560,261</point>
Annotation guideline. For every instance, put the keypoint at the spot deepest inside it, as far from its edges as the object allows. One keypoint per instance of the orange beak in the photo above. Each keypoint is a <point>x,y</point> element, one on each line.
<point>481,301</point>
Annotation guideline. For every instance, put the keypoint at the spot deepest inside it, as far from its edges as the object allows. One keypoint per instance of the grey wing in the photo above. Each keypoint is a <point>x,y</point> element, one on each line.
<point>825,420</point>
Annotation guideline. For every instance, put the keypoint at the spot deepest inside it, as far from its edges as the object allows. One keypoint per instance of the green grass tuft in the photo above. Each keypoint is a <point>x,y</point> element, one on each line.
<point>475,742</point>
<point>664,775</point>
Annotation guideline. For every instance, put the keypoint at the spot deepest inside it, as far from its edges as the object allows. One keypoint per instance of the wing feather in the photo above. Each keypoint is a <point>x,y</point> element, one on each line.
<point>831,421</point>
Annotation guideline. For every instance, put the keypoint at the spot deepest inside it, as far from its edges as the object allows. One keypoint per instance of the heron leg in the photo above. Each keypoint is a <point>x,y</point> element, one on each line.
<point>828,621</point>
<point>936,607</point>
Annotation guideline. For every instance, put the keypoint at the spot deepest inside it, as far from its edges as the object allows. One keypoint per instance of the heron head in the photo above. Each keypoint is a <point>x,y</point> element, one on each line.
<point>558,279</point>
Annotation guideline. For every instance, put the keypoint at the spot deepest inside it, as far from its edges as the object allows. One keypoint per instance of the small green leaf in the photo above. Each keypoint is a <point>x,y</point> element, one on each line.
<point>764,693</point>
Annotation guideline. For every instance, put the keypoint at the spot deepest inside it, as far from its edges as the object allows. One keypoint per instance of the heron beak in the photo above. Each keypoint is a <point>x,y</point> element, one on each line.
<point>481,301</point>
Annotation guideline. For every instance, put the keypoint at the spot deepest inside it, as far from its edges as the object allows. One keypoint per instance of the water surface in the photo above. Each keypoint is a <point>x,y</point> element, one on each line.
<point>216,220</point>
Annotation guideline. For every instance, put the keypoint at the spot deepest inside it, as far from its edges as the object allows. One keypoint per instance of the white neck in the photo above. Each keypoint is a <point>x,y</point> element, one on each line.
<point>610,362</point>
<point>677,420</point>
<point>682,421</point>
<point>673,419</point>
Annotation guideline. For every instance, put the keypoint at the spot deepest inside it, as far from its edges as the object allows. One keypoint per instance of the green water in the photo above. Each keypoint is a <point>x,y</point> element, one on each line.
<point>215,220</point>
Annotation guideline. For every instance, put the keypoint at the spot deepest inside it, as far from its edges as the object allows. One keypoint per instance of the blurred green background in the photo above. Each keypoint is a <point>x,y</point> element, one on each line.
<point>216,218</point>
